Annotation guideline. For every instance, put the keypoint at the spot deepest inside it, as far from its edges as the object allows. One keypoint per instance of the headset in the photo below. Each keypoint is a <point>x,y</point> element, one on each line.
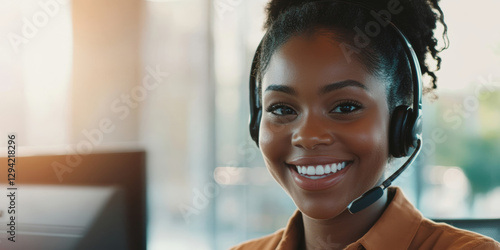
<point>405,131</point>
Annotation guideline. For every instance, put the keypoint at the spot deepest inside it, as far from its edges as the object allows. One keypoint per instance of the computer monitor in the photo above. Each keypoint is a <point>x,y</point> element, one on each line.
<point>101,204</point>
<point>59,217</point>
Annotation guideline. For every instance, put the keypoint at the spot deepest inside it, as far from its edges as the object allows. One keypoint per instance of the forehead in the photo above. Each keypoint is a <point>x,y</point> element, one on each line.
<point>314,58</point>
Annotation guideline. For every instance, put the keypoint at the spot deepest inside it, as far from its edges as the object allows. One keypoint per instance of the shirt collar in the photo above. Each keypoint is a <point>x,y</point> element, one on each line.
<point>293,233</point>
<point>400,220</point>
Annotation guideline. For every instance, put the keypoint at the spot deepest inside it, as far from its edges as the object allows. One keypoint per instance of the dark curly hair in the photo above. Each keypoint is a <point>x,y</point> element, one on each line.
<point>341,20</point>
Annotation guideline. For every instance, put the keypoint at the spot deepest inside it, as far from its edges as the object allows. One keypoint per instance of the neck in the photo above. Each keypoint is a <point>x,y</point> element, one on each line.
<point>344,229</point>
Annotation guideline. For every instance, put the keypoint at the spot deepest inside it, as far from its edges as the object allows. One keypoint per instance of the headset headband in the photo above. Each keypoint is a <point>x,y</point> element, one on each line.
<point>407,121</point>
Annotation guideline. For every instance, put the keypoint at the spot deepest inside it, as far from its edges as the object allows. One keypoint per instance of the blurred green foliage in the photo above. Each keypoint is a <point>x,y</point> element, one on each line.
<point>482,165</point>
<point>474,143</point>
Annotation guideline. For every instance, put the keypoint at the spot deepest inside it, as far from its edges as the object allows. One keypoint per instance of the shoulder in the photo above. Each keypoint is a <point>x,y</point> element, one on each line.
<point>432,235</point>
<point>270,241</point>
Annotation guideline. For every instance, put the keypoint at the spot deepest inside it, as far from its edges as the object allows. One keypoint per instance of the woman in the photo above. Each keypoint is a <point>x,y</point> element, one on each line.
<point>330,74</point>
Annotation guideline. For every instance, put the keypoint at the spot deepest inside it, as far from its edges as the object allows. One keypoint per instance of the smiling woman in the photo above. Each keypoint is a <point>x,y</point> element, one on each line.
<point>345,125</point>
<point>324,121</point>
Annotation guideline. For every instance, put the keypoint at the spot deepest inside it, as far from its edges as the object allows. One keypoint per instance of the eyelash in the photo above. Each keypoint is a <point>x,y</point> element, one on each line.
<point>276,106</point>
<point>344,103</point>
<point>352,103</point>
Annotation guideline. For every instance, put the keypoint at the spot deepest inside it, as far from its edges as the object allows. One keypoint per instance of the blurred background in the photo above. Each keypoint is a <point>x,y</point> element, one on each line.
<point>170,78</point>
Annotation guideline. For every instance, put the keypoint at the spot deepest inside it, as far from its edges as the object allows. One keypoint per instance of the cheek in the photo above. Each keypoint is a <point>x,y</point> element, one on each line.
<point>369,141</point>
<point>271,135</point>
<point>274,145</point>
<point>368,138</point>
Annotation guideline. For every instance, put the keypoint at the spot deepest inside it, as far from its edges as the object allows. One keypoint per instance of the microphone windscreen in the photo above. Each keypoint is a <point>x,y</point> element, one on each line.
<point>365,200</point>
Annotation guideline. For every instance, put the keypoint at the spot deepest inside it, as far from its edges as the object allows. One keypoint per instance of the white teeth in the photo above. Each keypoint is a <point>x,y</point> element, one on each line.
<point>327,169</point>
<point>311,170</point>
<point>321,170</point>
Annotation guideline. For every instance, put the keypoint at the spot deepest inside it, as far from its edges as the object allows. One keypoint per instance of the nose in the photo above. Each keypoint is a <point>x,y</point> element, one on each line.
<point>312,132</point>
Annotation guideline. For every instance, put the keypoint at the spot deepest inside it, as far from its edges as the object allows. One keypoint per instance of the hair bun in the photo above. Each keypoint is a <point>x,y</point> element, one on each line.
<point>417,21</point>
<point>276,7</point>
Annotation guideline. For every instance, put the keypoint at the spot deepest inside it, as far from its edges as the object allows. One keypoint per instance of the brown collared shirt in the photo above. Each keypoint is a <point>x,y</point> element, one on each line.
<point>401,226</point>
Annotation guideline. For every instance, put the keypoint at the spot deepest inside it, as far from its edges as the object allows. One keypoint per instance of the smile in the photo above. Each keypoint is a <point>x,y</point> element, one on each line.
<point>320,171</point>
<point>319,177</point>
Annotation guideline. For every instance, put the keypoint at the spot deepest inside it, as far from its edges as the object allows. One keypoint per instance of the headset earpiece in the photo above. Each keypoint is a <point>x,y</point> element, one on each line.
<point>255,124</point>
<point>255,105</point>
<point>404,131</point>
<point>399,129</point>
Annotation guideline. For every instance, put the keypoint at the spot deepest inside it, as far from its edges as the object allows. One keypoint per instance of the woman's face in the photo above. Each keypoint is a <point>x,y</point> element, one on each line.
<point>324,126</point>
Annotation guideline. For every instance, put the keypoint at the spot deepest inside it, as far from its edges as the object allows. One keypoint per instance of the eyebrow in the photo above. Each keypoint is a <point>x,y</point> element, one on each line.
<point>324,90</point>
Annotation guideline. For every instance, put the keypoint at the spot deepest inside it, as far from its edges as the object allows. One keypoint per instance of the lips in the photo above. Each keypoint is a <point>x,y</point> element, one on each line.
<point>315,177</point>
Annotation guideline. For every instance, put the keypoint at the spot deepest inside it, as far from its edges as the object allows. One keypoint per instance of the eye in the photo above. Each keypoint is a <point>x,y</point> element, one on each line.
<point>280,109</point>
<point>347,107</point>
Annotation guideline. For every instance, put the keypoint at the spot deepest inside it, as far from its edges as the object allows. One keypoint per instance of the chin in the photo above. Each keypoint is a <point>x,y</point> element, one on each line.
<point>321,208</point>
<point>319,213</point>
